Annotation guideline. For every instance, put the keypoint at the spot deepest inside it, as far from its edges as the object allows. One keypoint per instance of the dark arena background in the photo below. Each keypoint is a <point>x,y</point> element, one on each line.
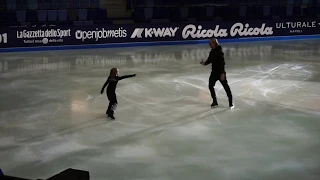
<point>57,54</point>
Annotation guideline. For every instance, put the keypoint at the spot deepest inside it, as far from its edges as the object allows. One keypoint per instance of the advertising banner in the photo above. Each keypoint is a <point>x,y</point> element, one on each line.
<point>104,34</point>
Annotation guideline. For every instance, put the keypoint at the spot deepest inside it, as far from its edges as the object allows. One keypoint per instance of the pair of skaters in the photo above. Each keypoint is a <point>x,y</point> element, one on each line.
<point>218,73</point>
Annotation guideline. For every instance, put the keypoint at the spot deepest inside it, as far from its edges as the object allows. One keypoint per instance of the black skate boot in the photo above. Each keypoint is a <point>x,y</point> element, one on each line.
<point>111,117</point>
<point>109,114</point>
<point>231,105</point>
<point>214,104</point>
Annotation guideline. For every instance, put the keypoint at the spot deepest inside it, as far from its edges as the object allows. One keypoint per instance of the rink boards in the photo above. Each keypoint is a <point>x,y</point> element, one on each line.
<point>100,36</point>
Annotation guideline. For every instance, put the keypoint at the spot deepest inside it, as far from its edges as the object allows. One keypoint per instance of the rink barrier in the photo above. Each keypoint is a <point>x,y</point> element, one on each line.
<point>16,39</point>
<point>160,43</point>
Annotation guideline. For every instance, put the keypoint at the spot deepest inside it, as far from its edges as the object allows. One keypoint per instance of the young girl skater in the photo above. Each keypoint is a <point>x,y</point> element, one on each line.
<point>111,90</point>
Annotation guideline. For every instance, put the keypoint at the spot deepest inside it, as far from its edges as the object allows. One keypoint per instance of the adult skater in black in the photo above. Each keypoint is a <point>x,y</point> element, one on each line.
<point>111,90</point>
<point>216,58</point>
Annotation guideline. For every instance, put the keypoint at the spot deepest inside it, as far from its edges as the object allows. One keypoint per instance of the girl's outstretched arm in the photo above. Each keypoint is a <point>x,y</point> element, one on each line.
<point>126,76</point>
<point>104,86</point>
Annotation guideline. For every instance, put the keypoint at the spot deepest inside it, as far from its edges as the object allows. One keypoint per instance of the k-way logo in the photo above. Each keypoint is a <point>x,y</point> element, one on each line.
<point>154,32</point>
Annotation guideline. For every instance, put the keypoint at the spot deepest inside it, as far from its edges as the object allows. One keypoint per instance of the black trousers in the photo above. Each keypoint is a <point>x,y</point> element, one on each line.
<point>113,103</point>
<point>212,82</point>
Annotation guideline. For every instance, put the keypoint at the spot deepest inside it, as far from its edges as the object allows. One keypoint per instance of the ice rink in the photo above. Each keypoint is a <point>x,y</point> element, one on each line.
<point>52,115</point>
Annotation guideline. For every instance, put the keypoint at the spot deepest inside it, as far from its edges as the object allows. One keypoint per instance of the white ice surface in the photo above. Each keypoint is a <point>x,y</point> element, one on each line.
<point>52,115</point>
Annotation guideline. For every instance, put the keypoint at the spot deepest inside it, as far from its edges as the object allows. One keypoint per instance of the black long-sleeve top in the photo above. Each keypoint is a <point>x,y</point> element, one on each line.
<point>216,58</point>
<point>113,83</point>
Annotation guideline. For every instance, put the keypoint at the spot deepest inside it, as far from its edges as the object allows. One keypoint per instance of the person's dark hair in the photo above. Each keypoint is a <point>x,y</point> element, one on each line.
<point>113,72</point>
<point>214,39</point>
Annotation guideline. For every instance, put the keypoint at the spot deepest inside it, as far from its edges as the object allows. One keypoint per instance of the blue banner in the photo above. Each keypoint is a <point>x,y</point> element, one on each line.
<point>73,35</point>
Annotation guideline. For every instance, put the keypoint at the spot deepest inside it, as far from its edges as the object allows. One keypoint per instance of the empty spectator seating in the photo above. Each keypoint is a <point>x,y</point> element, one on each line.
<point>20,12</point>
<point>15,12</point>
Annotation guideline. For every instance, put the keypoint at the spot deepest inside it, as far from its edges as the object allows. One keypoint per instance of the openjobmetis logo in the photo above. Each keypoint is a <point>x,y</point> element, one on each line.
<point>100,34</point>
<point>154,32</point>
